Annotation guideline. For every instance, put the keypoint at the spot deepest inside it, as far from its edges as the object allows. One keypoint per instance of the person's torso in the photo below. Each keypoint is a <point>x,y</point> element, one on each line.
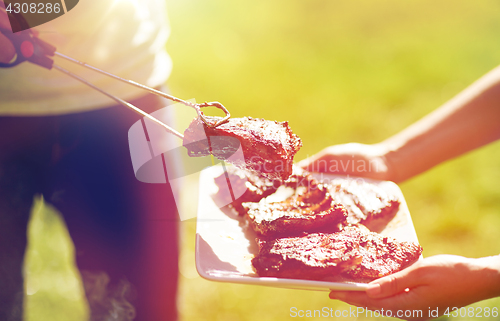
<point>123,37</point>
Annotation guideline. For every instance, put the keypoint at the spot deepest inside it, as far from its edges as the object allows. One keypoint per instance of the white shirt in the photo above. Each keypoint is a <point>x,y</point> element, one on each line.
<point>124,37</point>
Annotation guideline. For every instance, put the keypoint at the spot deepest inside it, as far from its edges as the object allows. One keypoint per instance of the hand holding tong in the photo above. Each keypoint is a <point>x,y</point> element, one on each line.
<point>30,48</point>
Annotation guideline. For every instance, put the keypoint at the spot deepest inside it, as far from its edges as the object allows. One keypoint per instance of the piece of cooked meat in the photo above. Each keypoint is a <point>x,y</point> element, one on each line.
<point>253,187</point>
<point>354,254</point>
<point>313,256</point>
<point>382,255</point>
<point>299,178</point>
<point>307,210</point>
<point>250,186</point>
<point>267,147</point>
<point>364,201</point>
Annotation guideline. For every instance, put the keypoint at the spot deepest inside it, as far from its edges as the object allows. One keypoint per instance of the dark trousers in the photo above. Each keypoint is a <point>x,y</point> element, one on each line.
<point>126,229</point>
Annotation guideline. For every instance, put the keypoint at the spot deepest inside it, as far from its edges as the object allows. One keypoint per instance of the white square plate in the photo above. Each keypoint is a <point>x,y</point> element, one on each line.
<point>224,248</point>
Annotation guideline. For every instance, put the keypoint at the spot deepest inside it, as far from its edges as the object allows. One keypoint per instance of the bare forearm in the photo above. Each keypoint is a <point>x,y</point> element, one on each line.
<point>468,121</point>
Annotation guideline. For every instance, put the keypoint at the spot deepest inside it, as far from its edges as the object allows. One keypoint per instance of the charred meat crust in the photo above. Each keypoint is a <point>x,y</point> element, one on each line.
<point>364,201</point>
<point>257,186</point>
<point>314,256</point>
<point>382,256</point>
<point>353,253</point>
<point>268,146</point>
<point>302,212</point>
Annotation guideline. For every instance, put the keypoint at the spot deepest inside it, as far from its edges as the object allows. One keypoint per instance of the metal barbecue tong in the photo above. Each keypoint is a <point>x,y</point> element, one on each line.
<point>31,48</point>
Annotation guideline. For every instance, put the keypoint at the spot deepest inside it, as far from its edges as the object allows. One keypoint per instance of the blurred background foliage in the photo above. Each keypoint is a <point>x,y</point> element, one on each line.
<point>339,71</point>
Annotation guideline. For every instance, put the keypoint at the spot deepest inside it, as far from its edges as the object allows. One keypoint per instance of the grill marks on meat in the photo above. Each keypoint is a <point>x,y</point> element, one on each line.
<point>256,187</point>
<point>365,202</point>
<point>314,256</point>
<point>304,211</point>
<point>268,147</point>
<point>382,256</point>
<point>252,187</point>
<point>353,253</point>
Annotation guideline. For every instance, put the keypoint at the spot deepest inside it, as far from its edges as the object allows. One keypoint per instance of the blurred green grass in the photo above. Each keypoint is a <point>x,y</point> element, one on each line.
<point>338,71</point>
